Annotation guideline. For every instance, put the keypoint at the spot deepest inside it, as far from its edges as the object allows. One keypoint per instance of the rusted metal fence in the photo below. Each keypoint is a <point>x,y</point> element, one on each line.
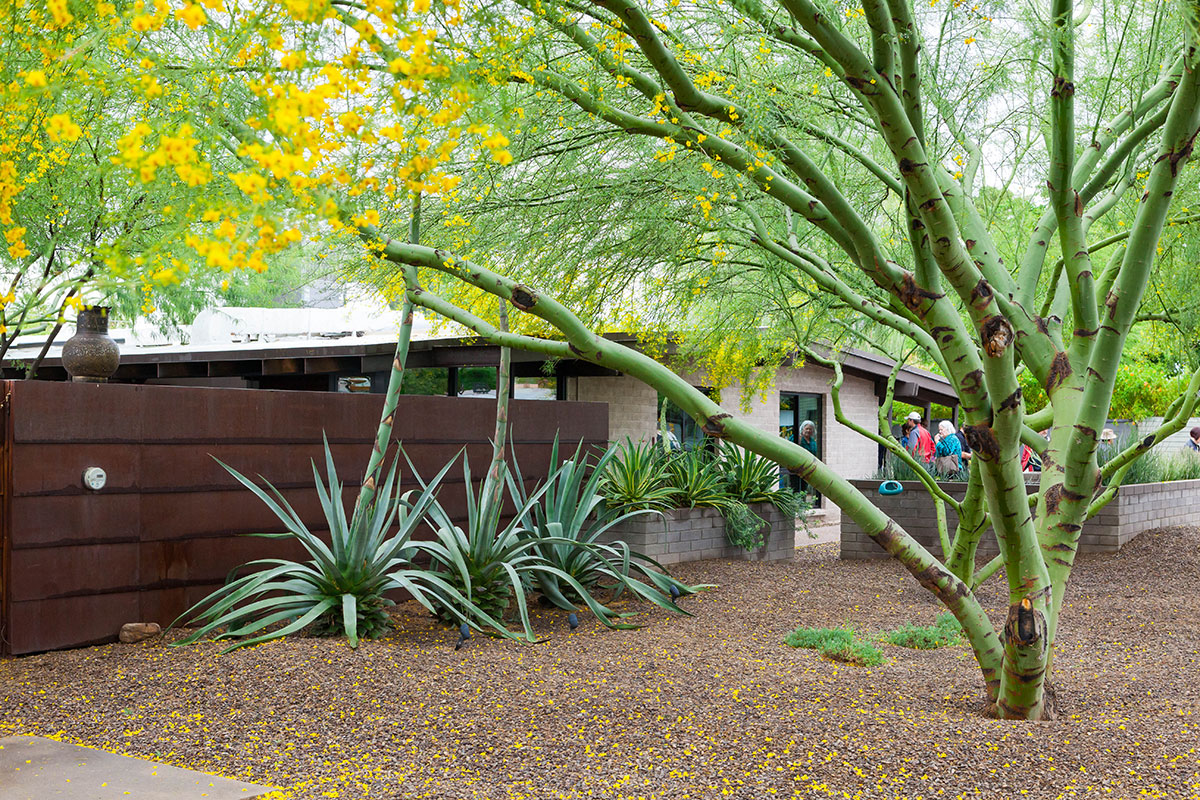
<point>164,530</point>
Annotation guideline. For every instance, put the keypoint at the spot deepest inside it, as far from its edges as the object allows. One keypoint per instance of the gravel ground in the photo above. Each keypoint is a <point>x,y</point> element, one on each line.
<point>702,707</point>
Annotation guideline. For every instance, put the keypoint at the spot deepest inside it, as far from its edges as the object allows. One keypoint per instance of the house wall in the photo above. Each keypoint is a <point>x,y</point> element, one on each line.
<point>632,409</point>
<point>632,405</point>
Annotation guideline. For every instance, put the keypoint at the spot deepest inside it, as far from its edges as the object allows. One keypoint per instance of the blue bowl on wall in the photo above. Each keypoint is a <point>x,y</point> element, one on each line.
<point>890,487</point>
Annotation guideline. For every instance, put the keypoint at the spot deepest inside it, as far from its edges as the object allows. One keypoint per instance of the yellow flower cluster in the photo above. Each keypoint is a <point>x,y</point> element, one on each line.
<point>178,151</point>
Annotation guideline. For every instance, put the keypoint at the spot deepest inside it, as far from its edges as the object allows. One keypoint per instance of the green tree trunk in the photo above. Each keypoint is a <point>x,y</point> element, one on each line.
<point>383,433</point>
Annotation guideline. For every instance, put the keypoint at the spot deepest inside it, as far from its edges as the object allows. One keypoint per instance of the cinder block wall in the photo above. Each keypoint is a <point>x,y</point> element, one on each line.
<point>1135,509</point>
<point>696,534</point>
<point>632,405</point>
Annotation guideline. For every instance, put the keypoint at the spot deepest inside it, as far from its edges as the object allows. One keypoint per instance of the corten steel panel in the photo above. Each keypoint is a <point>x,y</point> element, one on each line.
<point>57,469</point>
<point>171,505</point>
<point>75,412</point>
<point>48,572</point>
<point>41,625</point>
<point>190,561</point>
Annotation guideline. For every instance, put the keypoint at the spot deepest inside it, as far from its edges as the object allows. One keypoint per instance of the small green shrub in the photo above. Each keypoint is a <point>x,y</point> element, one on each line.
<point>944,631</point>
<point>816,638</point>
<point>862,654</point>
<point>837,644</point>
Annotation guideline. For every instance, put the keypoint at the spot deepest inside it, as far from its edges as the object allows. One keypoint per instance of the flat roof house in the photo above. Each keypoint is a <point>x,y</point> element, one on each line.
<point>323,350</point>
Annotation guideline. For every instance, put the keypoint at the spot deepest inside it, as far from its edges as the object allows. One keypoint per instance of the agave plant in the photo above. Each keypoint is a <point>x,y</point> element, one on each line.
<point>638,478</point>
<point>569,521</point>
<point>494,564</point>
<point>341,588</point>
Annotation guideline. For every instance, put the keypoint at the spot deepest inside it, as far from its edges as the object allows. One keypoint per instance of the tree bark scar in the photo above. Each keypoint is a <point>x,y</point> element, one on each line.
<point>1012,401</point>
<point>981,295</point>
<point>970,243</point>
<point>1060,370</point>
<point>1110,302</point>
<point>802,470</point>
<point>908,166</point>
<point>983,441</point>
<point>714,427</point>
<point>1041,325</point>
<point>574,349</point>
<point>1024,625</point>
<point>1053,497</point>
<point>888,535</point>
<point>1062,547</point>
<point>1079,211</point>
<point>972,381</point>
<point>1062,87</point>
<point>1084,333</point>
<point>930,204</point>
<point>524,298</point>
<point>996,334</point>
<point>1071,496</point>
<point>912,295</point>
<point>1069,527</point>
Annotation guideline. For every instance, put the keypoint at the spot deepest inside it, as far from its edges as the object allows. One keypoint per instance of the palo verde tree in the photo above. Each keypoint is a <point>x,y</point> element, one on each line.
<point>645,73</point>
<point>839,143</point>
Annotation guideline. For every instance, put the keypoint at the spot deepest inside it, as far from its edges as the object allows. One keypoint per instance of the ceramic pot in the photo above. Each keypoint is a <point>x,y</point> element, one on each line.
<point>90,355</point>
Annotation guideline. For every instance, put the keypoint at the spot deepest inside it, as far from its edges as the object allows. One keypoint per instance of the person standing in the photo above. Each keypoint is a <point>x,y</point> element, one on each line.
<point>947,449</point>
<point>924,448</point>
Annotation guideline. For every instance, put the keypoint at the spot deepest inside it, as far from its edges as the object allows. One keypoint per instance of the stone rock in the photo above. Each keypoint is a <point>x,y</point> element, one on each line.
<point>138,631</point>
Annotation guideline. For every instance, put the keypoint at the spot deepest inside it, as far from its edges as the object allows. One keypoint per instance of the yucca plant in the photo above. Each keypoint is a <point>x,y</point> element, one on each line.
<point>341,588</point>
<point>568,523</point>
<point>637,478</point>
<point>698,480</point>
<point>492,564</point>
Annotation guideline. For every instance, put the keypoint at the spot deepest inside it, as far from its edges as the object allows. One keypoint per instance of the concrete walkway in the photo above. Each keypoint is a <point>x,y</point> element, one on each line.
<point>822,533</point>
<point>33,768</point>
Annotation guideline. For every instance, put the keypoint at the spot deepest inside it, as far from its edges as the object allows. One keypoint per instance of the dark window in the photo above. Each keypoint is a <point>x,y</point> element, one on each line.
<point>425,380</point>
<point>800,422</point>
<point>682,432</point>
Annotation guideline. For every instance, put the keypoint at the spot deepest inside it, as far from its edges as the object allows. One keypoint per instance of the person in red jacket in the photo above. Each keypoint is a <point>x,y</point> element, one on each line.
<point>919,440</point>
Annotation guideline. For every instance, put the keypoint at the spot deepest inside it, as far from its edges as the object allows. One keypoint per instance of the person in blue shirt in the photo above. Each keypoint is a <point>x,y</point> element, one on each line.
<point>947,450</point>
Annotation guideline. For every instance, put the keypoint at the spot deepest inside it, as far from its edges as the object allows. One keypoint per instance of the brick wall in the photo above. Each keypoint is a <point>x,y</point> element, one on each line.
<point>696,534</point>
<point>1135,509</point>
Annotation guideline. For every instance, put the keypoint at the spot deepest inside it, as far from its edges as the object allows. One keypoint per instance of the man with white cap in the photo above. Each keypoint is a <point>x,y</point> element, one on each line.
<point>919,440</point>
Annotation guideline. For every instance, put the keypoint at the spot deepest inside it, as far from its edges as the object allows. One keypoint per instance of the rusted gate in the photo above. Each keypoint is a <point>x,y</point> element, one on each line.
<point>164,531</point>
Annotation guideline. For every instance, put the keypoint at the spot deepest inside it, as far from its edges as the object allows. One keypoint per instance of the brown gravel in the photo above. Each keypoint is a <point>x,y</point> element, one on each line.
<point>708,706</point>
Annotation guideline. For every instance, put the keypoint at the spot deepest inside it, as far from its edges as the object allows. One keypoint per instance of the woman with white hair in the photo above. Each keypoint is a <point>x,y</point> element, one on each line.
<point>947,449</point>
<point>808,437</point>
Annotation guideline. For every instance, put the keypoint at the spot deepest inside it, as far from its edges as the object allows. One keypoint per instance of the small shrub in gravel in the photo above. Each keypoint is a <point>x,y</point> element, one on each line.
<point>944,631</point>
<point>838,644</point>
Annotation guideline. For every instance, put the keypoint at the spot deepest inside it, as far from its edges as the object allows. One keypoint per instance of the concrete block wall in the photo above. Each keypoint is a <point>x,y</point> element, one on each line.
<point>632,405</point>
<point>697,534</point>
<point>1135,509</point>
